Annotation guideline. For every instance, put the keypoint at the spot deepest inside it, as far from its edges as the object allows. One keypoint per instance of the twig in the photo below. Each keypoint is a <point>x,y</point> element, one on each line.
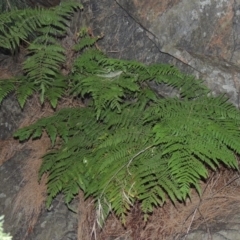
<point>193,216</point>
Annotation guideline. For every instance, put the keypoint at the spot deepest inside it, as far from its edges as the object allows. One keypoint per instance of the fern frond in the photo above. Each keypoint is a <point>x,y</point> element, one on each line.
<point>24,90</point>
<point>193,139</point>
<point>44,61</point>
<point>42,69</point>
<point>123,65</point>
<point>18,25</point>
<point>45,57</point>
<point>56,90</point>
<point>7,86</point>
<point>85,42</point>
<point>87,62</point>
<point>188,86</point>
<point>13,27</point>
<point>54,21</point>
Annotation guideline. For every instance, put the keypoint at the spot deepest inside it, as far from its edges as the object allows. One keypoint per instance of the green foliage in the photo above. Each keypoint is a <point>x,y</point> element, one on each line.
<point>45,54</point>
<point>128,145</point>
<point>139,154</point>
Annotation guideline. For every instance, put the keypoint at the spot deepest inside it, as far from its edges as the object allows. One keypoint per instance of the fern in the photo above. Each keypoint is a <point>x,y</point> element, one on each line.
<point>6,87</point>
<point>86,40</point>
<point>110,82</point>
<point>140,156</point>
<point>128,145</point>
<point>45,54</point>
<point>18,25</point>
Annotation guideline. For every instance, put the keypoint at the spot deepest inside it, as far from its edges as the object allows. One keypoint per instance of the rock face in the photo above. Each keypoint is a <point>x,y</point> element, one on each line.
<point>228,228</point>
<point>200,34</point>
<point>200,27</point>
<point>10,115</point>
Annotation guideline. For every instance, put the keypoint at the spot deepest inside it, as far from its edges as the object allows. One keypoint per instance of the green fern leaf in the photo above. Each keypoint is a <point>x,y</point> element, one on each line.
<point>85,42</point>
<point>37,133</point>
<point>6,87</point>
<point>25,90</point>
<point>52,132</point>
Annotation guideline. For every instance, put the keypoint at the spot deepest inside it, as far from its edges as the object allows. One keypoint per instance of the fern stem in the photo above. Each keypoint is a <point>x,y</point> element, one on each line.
<point>136,155</point>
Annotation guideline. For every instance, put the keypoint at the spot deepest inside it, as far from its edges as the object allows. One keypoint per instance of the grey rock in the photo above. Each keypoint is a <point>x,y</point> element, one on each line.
<point>10,117</point>
<point>200,37</point>
<point>197,235</point>
<point>13,181</point>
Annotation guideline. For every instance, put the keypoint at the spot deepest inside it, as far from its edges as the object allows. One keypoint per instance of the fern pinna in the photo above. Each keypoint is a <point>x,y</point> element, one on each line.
<point>128,144</point>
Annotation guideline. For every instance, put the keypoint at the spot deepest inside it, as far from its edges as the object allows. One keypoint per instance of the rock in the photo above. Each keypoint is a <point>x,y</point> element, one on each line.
<point>203,35</point>
<point>59,223</point>
<point>10,116</point>
<point>11,182</point>
<point>229,234</point>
